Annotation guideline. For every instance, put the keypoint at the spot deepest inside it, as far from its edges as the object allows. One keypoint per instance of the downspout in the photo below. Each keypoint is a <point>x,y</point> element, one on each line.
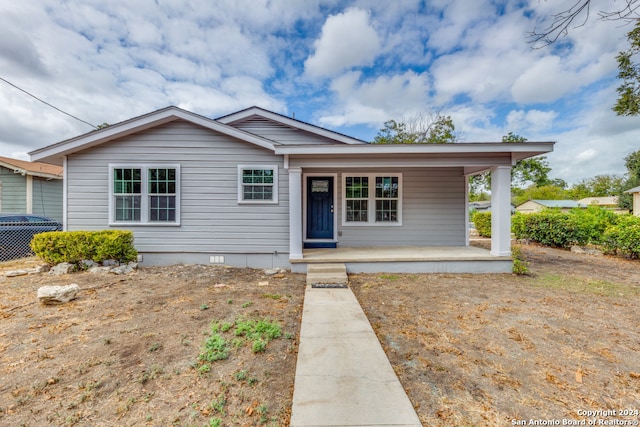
<point>29,194</point>
<point>64,193</point>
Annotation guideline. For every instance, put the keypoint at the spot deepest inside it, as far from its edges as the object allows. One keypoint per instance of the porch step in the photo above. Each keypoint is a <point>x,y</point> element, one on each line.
<point>321,273</point>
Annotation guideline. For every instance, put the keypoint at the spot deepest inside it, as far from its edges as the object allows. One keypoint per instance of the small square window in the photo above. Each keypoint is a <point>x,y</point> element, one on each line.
<point>257,184</point>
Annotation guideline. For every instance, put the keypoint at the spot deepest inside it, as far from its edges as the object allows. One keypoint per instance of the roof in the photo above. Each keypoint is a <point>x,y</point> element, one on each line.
<point>599,201</point>
<point>344,147</point>
<point>563,204</point>
<point>23,167</point>
<point>55,153</point>
<point>291,122</point>
<point>633,190</point>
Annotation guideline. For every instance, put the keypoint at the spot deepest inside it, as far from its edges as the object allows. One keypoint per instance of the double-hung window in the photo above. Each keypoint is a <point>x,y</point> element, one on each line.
<point>144,194</point>
<point>372,199</point>
<point>257,184</point>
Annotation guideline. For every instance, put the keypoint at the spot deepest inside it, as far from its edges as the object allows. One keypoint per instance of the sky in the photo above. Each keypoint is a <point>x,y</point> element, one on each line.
<point>348,66</point>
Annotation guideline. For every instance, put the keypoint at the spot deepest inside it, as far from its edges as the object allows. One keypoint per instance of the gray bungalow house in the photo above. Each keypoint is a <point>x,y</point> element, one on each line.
<point>258,189</point>
<point>30,187</point>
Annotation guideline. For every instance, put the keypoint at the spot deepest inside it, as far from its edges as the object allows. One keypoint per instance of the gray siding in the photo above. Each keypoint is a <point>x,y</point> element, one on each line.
<point>433,211</point>
<point>47,198</point>
<point>280,133</point>
<point>13,191</point>
<point>211,218</point>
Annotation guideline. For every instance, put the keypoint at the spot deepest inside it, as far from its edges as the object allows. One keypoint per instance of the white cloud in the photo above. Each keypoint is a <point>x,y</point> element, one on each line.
<point>529,122</point>
<point>373,101</point>
<point>347,40</point>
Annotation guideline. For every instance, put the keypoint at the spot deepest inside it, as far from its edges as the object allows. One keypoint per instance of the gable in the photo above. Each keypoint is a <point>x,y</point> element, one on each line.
<point>283,134</point>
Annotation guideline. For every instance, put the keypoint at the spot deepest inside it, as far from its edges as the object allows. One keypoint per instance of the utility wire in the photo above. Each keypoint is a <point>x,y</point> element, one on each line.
<point>46,103</point>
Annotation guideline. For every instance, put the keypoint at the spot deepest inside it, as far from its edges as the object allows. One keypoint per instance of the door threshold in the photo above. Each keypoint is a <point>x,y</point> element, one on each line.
<point>318,245</point>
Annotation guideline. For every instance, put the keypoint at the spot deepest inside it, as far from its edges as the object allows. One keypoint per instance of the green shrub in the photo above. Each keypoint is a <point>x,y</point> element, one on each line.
<point>74,246</point>
<point>624,237</point>
<point>589,224</point>
<point>552,227</point>
<point>549,227</point>
<point>520,266</point>
<point>482,222</point>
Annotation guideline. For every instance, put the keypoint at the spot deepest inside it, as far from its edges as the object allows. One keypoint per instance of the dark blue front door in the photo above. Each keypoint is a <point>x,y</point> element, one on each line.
<point>320,207</point>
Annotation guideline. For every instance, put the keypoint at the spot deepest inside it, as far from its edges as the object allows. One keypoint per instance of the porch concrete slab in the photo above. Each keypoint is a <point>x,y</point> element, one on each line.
<point>343,377</point>
<point>398,253</point>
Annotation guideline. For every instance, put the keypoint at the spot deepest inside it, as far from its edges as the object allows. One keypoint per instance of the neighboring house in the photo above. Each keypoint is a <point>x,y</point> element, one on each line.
<point>538,205</point>
<point>258,189</point>
<point>636,199</point>
<point>609,202</point>
<point>484,206</point>
<point>30,187</point>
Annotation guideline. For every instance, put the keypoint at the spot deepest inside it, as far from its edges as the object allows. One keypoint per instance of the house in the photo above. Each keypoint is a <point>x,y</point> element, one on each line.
<point>30,187</point>
<point>609,202</point>
<point>636,199</point>
<point>259,189</point>
<point>537,205</point>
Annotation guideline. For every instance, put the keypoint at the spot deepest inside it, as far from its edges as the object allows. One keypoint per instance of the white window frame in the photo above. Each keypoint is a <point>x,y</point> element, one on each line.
<point>144,194</point>
<point>371,201</point>
<point>241,199</point>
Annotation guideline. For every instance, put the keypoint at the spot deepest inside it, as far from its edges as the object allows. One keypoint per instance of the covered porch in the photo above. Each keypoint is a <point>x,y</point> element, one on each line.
<point>407,259</point>
<point>425,230</point>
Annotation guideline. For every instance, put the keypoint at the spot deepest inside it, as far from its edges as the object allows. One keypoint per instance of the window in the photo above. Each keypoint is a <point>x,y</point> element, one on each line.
<point>357,198</point>
<point>144,194</point>
<point>257,184</point>
<point>371,199</point>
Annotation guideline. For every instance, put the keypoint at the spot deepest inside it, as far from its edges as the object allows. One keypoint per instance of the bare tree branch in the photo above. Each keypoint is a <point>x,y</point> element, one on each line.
<point>577,15</point>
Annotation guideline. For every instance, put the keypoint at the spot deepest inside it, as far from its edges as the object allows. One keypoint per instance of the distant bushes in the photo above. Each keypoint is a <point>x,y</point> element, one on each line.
<point>614,233</point>
<point>74,246</point>
<point>551,227</point>
<point>624,237</point>
<point>482,223</point>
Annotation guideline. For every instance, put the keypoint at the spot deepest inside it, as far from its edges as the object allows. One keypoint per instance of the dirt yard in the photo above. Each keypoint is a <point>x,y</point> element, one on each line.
<point>504,350</point>
<point>469,349</point>
<point>125,352</point>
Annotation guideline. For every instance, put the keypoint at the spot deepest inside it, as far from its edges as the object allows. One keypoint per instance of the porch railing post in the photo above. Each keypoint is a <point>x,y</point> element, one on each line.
<point>501,211</point>
<point>295,213</point>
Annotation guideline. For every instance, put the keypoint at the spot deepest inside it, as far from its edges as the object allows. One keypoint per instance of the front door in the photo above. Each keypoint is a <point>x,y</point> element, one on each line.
<point>319,207</point>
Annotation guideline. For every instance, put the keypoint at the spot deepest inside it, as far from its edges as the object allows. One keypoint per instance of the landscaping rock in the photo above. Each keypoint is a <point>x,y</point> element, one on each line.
<point>99,270</point>
<point>57,294</point>
<point>124,269</point>
<point>87,264</point>
<point>588,251</point>
<point>16,273</point>
<point>63,268</point>
<point>110,263</point>
<point>121,269</point>
<point>39,269</point>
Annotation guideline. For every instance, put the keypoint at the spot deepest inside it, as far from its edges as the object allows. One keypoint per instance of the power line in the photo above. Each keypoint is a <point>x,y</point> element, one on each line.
<point>46,103</point>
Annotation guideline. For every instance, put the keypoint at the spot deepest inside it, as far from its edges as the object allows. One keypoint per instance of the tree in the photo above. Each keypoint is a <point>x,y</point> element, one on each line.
<point>545,192</point>
<point>432,129</point>
<point>632,163</point>
<point>579,14</point>
<point>533,171</point>
<point>628,102</point>
<point>598,186</point>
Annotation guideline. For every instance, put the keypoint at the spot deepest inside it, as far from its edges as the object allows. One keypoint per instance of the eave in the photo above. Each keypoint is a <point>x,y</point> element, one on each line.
<point>55,153</point>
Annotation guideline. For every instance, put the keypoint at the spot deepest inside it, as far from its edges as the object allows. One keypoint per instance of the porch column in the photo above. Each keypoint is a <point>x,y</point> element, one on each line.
<point>501,211</point>
<point>295,213</point>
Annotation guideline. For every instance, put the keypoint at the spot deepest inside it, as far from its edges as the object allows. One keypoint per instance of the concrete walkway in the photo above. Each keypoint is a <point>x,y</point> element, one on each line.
<point>343,377</point>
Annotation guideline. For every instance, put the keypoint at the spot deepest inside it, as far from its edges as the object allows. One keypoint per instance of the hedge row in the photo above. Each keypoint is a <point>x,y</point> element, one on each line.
<point>551,227</point>
<point>616,234</point>
<point>74,246</point>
